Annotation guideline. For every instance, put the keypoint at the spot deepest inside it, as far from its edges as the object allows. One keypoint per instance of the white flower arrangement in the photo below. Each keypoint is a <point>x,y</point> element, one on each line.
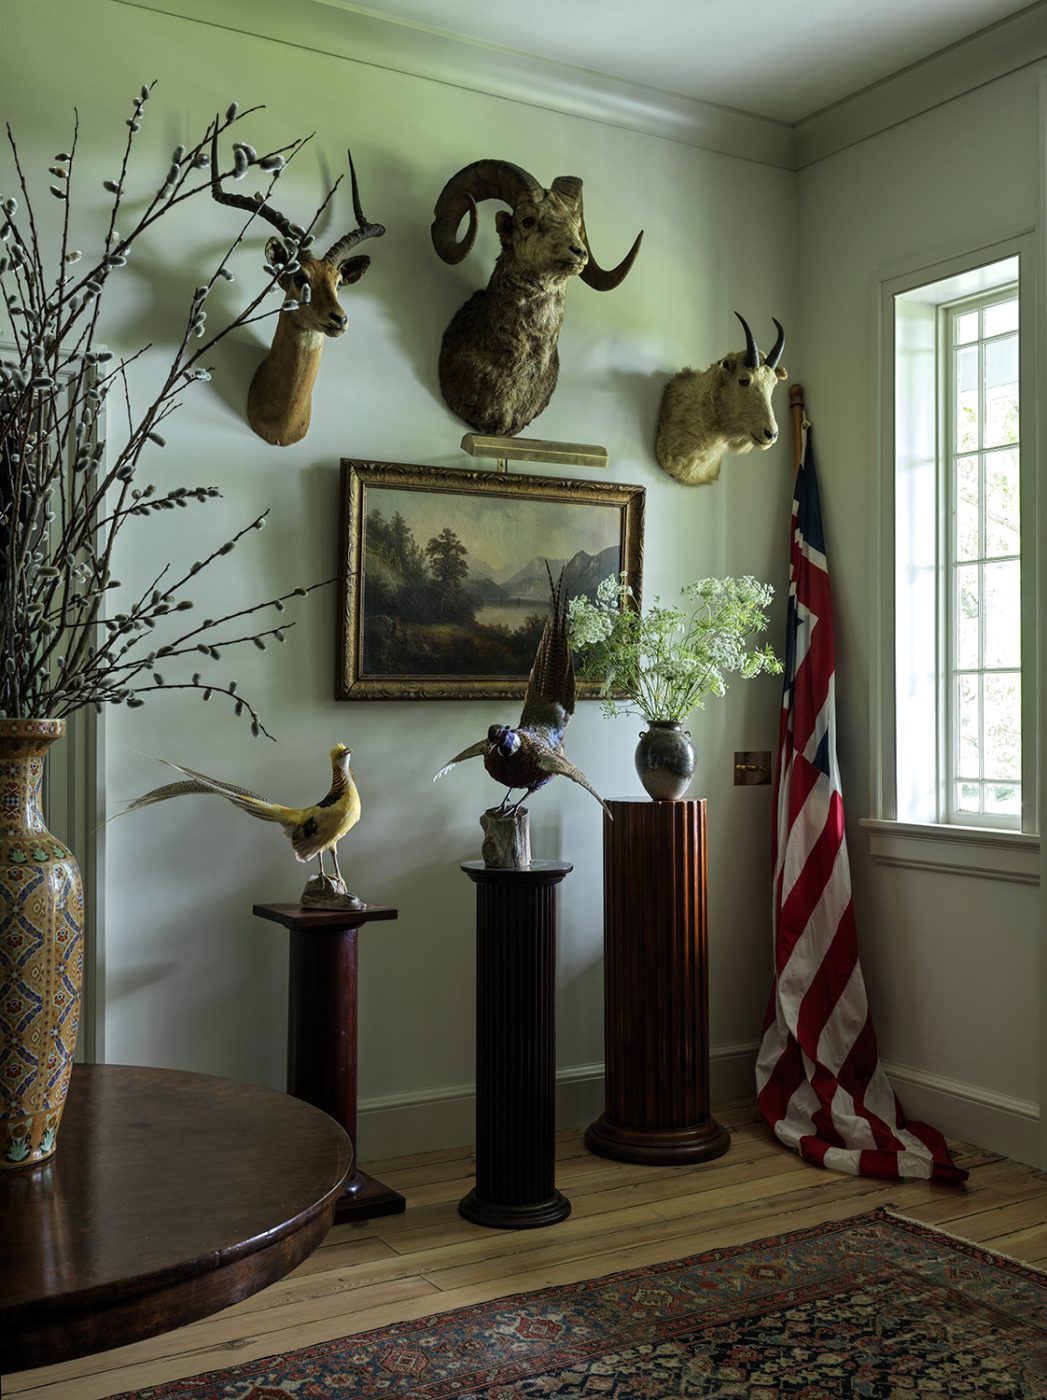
<point>663,663</point>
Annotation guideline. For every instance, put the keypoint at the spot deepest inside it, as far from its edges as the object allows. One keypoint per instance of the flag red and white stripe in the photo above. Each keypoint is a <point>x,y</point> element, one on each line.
<point>819,1080</point>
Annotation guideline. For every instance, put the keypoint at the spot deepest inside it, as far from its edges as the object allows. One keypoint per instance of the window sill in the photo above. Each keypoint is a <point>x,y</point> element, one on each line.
<point>957,850</point>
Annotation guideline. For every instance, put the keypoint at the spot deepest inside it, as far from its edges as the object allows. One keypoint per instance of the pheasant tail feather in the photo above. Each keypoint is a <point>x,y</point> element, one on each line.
<point>197,783</point>
<point>550,695</point>
<point>160,794</point>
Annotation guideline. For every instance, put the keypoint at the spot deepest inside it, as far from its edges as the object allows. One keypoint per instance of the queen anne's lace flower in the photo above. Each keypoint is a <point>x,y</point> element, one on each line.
<point>593,625</point>
<point>663,663</point>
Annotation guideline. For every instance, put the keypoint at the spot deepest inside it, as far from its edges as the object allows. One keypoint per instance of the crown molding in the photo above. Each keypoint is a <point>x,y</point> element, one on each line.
<point>1018,42</point>
<point>339,29</point>
<point>343,30</point>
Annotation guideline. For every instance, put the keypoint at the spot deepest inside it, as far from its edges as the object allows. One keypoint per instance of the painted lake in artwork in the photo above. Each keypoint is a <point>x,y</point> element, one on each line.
<point>457,585</point>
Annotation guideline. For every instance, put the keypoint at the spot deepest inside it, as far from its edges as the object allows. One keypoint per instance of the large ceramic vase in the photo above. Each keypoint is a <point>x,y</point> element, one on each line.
<point>665,760</point>
<point>41,951</point>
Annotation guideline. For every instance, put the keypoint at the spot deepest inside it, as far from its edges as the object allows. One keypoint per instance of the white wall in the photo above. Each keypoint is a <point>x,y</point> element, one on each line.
<point>192,980</point>
<point>952,962</point>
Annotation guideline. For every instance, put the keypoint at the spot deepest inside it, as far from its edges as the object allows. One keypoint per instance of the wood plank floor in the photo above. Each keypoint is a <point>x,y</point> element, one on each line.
<point>429,1260</point>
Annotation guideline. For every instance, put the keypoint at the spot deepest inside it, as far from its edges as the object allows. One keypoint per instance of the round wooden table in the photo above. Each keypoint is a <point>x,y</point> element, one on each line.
<point>171,1195</point>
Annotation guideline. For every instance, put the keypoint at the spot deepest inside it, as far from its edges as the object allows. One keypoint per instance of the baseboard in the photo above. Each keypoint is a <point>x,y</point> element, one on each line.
<point>397,1124</point>
<point>393,1125</point>
<point>985,1119</point>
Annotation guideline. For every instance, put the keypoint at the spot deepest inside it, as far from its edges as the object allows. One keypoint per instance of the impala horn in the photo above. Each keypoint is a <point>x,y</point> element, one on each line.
<point>253,203</point>
<point>363,229</point>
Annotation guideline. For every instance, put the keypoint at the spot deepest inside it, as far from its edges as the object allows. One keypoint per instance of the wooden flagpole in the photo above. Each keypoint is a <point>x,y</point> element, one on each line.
<point>796,406</point>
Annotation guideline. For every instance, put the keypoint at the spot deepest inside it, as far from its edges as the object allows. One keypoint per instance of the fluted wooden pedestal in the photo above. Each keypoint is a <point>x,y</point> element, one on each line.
<point>321,1031</point>
<point>515,1047</point>
<point>656,989</point>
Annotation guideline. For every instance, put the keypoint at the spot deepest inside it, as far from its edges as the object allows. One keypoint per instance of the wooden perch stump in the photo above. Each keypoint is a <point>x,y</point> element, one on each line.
<point>507,839</point>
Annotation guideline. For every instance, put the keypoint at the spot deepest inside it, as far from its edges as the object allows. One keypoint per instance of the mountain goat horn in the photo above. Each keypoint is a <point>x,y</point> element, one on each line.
<point>777,347</point>
<point>752,353</point>
<point>483,179</point>
<point>363,229</point>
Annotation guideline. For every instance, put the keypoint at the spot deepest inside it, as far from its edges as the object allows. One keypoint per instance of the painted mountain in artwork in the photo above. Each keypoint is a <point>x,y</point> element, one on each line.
<point>584,572</point>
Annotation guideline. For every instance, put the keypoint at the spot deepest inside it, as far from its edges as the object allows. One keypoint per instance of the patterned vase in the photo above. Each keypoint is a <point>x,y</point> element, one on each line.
<point>41,951</point>
<point>665,759</point>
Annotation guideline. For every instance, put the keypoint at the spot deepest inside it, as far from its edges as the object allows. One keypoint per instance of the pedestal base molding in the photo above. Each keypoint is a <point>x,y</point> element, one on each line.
<point>657,1146</point>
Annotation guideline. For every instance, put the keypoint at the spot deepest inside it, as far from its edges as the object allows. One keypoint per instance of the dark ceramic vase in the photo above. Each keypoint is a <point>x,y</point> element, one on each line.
<point>665,759</point>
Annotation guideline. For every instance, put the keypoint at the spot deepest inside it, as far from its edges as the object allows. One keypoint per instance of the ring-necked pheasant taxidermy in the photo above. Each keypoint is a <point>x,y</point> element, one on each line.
<point>312,831</point>
<point>531,754</point>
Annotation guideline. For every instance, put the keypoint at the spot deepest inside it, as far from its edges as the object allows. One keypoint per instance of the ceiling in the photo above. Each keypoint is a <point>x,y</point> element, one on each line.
<point>782,62</point>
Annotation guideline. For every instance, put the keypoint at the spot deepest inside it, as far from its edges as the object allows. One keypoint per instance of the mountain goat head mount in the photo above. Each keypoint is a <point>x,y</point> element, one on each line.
<point>499,359</point>
<point>280,398</point>
<point>725,408</point>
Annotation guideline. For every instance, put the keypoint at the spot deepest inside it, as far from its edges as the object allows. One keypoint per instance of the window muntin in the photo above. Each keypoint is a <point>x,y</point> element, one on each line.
<point>982,566</point>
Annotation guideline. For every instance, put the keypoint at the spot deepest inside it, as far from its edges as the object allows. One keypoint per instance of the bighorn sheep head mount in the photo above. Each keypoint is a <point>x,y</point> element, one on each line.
<point>280,399</point>
<point>499,360</point>
<point>725,408</point>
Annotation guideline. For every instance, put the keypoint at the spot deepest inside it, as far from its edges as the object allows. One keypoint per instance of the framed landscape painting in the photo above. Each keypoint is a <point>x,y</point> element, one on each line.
<point>445,589</point>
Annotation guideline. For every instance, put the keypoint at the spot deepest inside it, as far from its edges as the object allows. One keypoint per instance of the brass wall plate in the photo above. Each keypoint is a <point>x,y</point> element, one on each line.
<point>752,769</point>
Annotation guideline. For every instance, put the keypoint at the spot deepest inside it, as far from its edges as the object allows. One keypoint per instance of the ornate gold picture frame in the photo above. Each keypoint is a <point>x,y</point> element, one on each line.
<point>444,584</point>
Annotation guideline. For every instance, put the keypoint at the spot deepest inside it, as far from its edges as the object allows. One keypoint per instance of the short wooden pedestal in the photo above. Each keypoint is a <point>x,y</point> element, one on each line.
<point>656,988</point>
<point>515,1047</point>
<point>321,1030</point>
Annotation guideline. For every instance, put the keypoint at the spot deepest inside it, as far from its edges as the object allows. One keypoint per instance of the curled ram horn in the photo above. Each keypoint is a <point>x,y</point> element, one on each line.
<point>483,179</point>
<point>593,275</point>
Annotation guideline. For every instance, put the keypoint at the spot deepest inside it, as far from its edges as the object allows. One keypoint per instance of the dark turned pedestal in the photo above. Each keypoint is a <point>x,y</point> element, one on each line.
<point>171,1195</point>
<point>515,1047</point>
<point>656,987</point>
<point>321,1030</point>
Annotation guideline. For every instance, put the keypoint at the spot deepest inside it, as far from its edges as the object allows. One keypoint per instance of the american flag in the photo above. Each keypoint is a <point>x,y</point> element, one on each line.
<point>819,1080</point>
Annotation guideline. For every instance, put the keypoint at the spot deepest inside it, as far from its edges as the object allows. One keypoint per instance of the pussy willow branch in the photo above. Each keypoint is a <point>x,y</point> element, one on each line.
<point>51,478</point>
<point>241,702</point>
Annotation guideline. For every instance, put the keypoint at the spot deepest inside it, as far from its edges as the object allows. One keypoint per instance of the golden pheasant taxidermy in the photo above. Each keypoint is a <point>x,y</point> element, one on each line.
<point>311,830</point>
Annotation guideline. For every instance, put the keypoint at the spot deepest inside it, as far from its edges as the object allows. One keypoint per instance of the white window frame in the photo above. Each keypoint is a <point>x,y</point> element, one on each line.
<point>906,828</point>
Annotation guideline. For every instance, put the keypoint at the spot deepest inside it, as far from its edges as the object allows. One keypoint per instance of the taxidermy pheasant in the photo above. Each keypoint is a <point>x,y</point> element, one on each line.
<point>311,830</point>
<point>530,755</point>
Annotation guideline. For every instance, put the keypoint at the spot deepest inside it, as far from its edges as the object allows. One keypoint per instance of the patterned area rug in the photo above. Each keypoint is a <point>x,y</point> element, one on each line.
<point>873,1306</point>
